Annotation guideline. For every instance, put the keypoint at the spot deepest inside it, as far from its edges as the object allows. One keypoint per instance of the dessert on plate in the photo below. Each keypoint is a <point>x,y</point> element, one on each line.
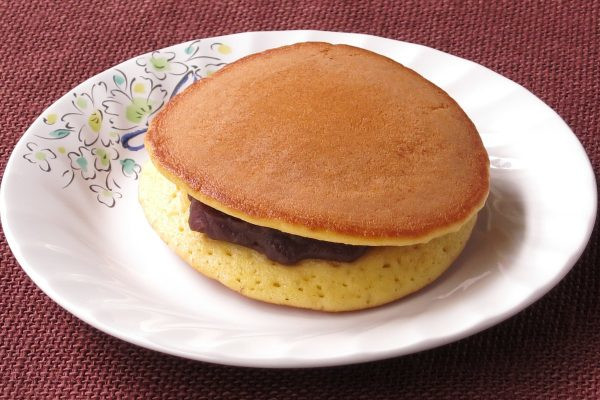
<point>315,175</point>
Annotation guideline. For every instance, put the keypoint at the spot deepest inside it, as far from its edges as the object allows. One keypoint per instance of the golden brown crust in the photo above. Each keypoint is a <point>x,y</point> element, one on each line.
<point>331,142</point>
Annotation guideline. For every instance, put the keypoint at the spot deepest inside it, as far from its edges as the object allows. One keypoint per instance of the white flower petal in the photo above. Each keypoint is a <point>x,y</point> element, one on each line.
<point>160,75</point>
<point>119,95</point>
<point>74,120</point>
<point>177,68</point>
<point>99,93</point>
<point>88,136</point>
<point>141,62</point>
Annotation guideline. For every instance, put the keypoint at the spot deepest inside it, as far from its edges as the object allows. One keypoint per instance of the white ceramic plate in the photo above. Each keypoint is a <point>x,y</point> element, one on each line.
<point>70,213</point>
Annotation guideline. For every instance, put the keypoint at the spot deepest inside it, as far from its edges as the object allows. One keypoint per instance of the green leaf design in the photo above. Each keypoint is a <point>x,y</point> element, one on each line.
<point>118,79</point>
<point>59,133</point>
<point>128,165</point>
<point>82,162</point>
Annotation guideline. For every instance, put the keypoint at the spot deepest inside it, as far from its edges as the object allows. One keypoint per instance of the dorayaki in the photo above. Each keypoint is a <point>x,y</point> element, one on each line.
<point>315,175</point>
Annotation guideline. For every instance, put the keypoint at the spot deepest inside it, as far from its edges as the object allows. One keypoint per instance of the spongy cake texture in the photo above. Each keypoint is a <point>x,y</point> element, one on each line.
<point>330,142</point>
<point>384,274</point>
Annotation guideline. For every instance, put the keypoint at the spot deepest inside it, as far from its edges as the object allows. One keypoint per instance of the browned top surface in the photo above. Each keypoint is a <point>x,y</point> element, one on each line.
<point>331,138</point>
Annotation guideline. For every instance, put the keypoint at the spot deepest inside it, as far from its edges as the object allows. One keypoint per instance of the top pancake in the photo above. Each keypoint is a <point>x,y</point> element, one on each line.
<point>325,141</point>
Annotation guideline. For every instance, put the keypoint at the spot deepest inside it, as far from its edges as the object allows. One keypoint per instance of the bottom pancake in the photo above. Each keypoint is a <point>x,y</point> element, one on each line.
<point>382,275</point>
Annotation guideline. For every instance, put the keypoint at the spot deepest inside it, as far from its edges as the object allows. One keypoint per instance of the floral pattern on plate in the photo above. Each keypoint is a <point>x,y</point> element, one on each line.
<point>94,138</point>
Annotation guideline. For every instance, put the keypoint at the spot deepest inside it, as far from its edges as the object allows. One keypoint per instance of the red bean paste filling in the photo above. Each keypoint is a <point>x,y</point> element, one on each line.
<point>275,245</point>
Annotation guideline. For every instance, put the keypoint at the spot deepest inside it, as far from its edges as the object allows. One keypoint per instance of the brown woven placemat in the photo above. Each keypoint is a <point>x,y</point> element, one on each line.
<point>549,351</point>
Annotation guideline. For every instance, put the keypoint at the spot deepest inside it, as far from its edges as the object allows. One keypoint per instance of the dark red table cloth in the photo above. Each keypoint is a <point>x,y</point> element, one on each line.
<point>549,351</point>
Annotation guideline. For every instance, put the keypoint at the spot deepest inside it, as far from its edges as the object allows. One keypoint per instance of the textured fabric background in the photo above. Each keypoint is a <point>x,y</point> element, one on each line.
<point>550,351</point>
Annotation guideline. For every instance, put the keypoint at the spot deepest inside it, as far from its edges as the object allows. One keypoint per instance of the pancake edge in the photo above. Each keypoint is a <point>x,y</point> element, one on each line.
<point>318,234</point>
